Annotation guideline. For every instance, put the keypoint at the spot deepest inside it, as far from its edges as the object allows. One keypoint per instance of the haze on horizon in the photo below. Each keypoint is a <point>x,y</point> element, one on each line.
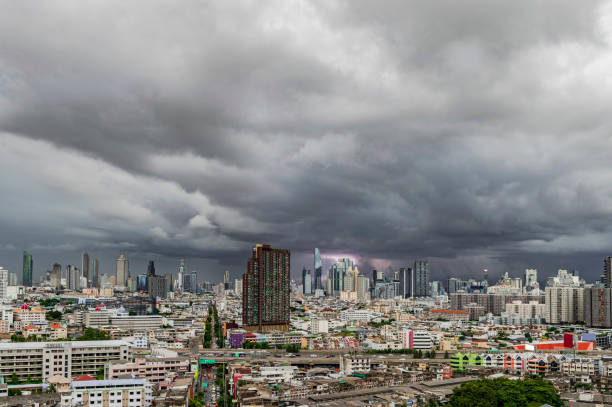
<point>474,134</point>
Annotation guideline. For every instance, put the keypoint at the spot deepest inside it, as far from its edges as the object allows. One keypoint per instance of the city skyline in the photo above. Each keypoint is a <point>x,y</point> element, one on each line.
<point>478,143</point>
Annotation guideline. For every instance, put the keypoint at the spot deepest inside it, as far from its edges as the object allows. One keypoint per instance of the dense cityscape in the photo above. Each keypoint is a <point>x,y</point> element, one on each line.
<point>305,203</point>
<point>78,337</point>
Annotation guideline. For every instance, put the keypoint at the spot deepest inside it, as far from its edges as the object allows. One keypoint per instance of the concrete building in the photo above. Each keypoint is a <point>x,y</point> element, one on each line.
<point>354,364</point>
<point>112,393</point>
<point>40,360</point>
<point>123,271</point>
<point>319,326</point>
<point>4,281</point>
<point>532,311</point>
<point>597,307</point>
<point>564,304</point>
<point>137,322</point>
<point>153,370</point>
<point>96,318</point>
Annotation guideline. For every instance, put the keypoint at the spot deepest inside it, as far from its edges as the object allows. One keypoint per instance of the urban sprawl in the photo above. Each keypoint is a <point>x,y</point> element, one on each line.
<point>335,337</point>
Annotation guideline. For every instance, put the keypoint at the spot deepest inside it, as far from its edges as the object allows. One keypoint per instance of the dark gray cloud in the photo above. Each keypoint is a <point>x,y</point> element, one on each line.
<point>475,134</point>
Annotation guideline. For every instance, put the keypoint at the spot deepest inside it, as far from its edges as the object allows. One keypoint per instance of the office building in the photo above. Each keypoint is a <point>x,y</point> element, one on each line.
<point>318,270</point>
<point>193,282</point>
<point>337,272</point>
<point>363,287</point>
<point>28,267</point>
<point>157,286</point>
<point>306,282</point>
<point>151,268</point>
<point>85,267</point>
<point>421,278</point>
<point>123,271</point>
<point>55,278</point>
<point>13,279</point>
<point>95,281</point>
<point>266,290</point>
<point>141,282</point>
<point>406,282</point>
<point>226,280</point>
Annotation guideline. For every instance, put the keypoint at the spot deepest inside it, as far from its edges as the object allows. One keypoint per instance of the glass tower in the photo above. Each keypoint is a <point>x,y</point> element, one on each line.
<point>28,266</point>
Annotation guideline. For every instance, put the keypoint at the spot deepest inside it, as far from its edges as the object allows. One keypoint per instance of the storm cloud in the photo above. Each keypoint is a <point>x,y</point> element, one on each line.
<point>475,134</point>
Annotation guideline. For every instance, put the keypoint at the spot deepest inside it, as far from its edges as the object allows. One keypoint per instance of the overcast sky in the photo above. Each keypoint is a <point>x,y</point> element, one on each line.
<point>475,134</point>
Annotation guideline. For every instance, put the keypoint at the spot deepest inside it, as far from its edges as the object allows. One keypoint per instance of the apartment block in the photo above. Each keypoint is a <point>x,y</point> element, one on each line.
<point>69,359</point>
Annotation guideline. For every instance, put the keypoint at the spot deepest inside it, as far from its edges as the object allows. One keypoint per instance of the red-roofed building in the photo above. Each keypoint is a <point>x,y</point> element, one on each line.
<point>580,346</point>
<point>83,378</point>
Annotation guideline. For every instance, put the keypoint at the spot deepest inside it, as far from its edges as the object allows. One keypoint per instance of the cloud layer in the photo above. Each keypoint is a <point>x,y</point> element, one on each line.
<point>475,134</point>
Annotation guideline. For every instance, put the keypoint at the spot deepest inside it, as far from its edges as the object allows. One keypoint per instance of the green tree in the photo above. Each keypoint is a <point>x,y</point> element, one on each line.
<point>14,378</point>
<point>53,315</point>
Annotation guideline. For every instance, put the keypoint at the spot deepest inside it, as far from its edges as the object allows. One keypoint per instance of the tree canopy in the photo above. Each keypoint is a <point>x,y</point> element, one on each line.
<point>505,393</point>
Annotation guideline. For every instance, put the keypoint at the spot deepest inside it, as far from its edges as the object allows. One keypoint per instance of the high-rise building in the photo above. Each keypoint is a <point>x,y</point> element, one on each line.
<point>238,287</point>
<point>13,279</point>
<point>564,299</point>
<point>363,287</point>
<point>95,281</point>
<point>85,266</point>
<point>141,282</point>
<point>73,278</point>
<point>180,274</point>
<point>266,290</point>
<point>55,279</point>
<point>190,282</point>
<point>157,286</point>
<point>337,272</point>
<point>306,282</point>
<point>123,270</point>
<point>421,278</point>
<point>226,280</point>
<point>28,267</point>
<point>406,282</point>
<point>318,270</point>
<point>606,277</point>
<point>4,282</point>
<point>151,268</point>
<point>598,307</point>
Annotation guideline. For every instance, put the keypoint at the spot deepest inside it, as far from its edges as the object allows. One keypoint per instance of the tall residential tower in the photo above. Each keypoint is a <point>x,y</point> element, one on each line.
<point>266,289</point>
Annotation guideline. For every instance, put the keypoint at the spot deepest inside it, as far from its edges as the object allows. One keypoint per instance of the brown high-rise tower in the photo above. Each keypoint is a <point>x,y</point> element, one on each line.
<point>266,290</point>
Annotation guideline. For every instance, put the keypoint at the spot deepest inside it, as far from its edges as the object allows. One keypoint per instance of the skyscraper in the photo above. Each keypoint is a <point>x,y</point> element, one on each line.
<point>606,278</point>
<point>95,282</point>
<point>151,268</point>
<point>181,273</point>
<point>337,272</point>
<point>421,278</point>
<point>266,290</point>
<point>226,280</point>
<point>193,282</point>
<point>406,285</point>
<point>56,276</point>
<point>123,271</point>
<point>306,282</point>
<point>4,282</point>
<point>85,266</point>
<point>28,267</point>
<point>318,270</point>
